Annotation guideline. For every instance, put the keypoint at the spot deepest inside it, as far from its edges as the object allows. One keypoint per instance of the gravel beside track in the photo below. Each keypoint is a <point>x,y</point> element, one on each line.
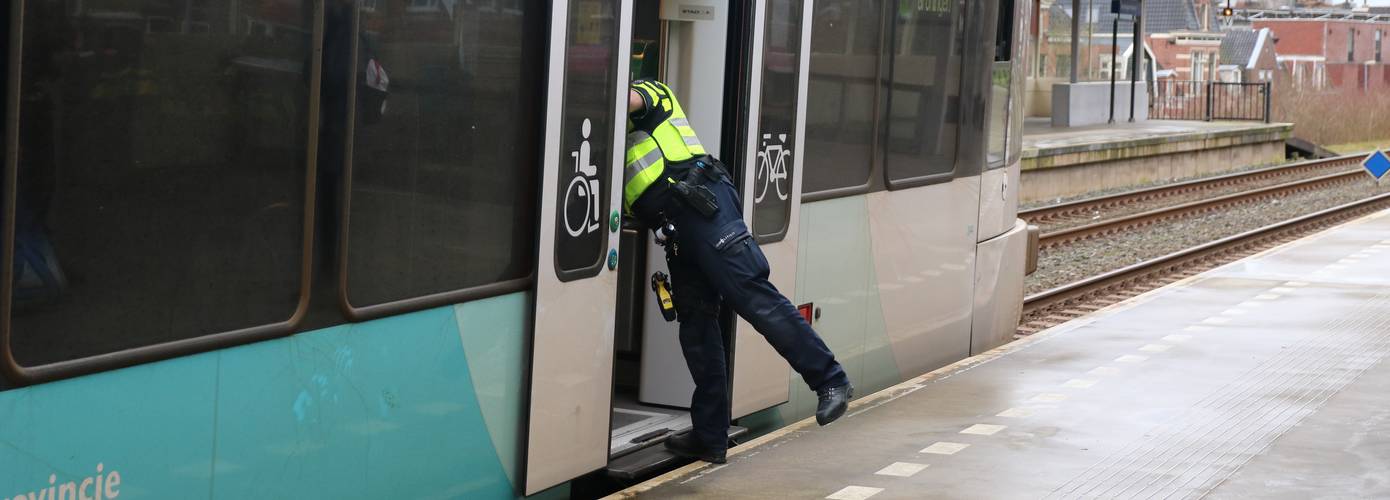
<point>1083,259</point>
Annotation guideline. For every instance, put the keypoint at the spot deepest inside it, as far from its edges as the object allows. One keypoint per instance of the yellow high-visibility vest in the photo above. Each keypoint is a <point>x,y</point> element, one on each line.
<point>648,153</point>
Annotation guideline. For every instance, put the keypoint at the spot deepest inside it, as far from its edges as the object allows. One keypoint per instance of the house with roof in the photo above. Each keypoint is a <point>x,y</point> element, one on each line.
<point>1185,38</point>
<point>1248,56</point>
<point>1105,47</point>
<point>1330,47</point>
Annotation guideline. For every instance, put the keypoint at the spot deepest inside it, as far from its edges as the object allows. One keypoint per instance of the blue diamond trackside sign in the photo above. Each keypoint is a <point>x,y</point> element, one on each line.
<point>1377,164</point>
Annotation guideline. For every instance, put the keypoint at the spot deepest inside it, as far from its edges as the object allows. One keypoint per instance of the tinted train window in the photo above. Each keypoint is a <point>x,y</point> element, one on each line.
<point>586,153</point>
<point>1001,85</point>
<point>842,94</point>
<point>924,106</point>
<point>161,173</point>
<point>443,183</point>
<point>774,172</point>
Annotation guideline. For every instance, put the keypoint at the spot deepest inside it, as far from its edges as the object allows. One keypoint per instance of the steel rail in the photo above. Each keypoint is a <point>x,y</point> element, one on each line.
<point>1045,214</point>
<point>1112,226</point>
<point>1060,304</point>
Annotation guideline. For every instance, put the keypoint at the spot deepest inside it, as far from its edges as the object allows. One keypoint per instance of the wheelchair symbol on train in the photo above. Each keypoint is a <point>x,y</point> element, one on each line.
<point>772,168</point>
<point>583,190</point>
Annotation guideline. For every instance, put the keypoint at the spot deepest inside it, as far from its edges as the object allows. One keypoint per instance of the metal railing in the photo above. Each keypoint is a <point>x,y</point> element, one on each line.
<point>1207,100</point>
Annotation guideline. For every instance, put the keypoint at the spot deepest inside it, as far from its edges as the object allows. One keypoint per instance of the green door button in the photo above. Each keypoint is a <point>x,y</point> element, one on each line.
<point>615,221</point>
<point>612,259</point>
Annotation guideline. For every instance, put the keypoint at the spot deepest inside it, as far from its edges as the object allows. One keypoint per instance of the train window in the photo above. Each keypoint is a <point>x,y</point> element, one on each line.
<point>581,229</point>
<point>774,170</point>
<point>443,173</point>
<point>844,87</point>
<point>1001,85</point>
<point>1020,20</point>
<point>924,106</point>
<point>160,176</point>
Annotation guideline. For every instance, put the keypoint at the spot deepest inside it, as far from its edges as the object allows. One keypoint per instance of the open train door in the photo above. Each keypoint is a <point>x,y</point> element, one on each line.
<point>771,166</point>
<point>572,342</point>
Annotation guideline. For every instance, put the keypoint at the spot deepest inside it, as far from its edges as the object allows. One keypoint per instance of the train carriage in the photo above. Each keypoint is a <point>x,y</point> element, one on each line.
<point>374,248</point>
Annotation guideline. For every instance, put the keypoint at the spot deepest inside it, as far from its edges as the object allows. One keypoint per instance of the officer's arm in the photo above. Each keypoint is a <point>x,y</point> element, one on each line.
<point>635,102</point>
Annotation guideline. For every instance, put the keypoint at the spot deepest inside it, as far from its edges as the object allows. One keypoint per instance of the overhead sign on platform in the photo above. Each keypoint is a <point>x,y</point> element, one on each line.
<point>1129,8</point>
<point>1377,164</point>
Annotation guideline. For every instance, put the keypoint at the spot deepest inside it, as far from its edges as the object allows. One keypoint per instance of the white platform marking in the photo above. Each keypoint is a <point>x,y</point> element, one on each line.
<point>901,469</point>
<point>944,448</point>
<point>1104,370</point>
<point>854,493</point>
<point>1216,320</point>
<point>1296,283</point>
<point>1267,296</point>
<point>1079,383</point>
<point>1016,413</point>
<point>1178,338</point>
<point>1250,304</point>
<point>1049,397</point>
<point>1155,348</point>
<point>1197,328</point>
<point>1131,358</point>
<point>983,429</point>
<point>1336,267</point>
<point>1348,260</point>
<point>1282,289</point>
<point>1234,312</point>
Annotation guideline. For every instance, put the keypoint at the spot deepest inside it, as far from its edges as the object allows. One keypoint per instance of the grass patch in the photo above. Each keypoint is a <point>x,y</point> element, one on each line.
<point>1349,118</point>
<point>1360,147</point>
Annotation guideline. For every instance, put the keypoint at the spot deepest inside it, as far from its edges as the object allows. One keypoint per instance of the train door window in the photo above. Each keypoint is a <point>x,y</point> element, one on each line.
<point>924,106</point>
<point>161,179</point>
<point>1001,85</point>
<point>581,236</point>
<point>443,168</point>
<point>774,171</point>
<point>843,96</point>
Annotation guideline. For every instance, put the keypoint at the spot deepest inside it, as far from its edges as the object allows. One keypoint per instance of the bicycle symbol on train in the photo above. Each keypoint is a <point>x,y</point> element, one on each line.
<point>772,168</point>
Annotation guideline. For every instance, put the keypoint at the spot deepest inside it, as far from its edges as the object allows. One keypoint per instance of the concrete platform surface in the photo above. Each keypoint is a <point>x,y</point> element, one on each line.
<point>1266,378</point>
<point>1040,137</point>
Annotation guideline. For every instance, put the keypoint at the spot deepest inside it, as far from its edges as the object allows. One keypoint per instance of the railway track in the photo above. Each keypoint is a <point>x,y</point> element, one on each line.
<point>1085,209</point>
<point>1059,305</point>
<point>1194,208</point>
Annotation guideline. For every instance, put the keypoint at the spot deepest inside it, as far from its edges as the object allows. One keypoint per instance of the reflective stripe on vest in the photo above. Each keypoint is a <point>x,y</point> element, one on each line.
<point>643,166</point>
<point>673,141</point>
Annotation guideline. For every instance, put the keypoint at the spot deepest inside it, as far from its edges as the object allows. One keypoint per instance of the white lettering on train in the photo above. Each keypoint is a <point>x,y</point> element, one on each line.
<point>100,486</point>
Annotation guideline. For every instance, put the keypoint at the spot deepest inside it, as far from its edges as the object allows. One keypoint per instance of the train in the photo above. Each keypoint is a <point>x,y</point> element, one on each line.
<point>375,248</point>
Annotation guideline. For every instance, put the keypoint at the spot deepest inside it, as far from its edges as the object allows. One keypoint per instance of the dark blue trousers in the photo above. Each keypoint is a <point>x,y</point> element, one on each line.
<point>717,258</point>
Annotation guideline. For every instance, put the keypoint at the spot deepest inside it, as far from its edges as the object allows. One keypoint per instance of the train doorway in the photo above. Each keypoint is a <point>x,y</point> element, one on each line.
<point>739,71</point>
<point>681,44</point>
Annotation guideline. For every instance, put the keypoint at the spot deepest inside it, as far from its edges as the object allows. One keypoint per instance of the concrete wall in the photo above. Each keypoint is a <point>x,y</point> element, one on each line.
<point>1088,103</point>
<point>1069,171</point>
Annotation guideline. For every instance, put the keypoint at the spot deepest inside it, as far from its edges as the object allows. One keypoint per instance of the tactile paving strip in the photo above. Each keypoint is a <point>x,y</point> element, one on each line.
<point>1210,441</point>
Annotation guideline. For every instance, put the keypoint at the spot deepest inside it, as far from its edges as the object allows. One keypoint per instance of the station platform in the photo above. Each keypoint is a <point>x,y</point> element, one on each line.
<point>1263,378</point>
<point>1063,162</point>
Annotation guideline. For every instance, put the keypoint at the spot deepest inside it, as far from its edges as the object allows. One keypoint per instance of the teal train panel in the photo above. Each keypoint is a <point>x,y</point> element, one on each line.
<point>381,409</point>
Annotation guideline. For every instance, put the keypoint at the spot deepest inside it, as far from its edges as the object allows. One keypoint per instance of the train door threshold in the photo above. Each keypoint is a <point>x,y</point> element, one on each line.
<point>646,459</point>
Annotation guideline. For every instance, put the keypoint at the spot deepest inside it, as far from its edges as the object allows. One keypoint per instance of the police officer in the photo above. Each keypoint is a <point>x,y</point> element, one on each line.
<point>673,186</point>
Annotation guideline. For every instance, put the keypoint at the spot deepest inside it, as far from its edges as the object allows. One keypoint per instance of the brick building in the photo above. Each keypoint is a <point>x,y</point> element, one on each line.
<point>1339,49</point>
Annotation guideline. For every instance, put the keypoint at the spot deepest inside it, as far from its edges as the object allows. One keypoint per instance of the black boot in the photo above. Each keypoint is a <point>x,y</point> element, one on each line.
<point>833,401</point>
<point>685,445</point>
